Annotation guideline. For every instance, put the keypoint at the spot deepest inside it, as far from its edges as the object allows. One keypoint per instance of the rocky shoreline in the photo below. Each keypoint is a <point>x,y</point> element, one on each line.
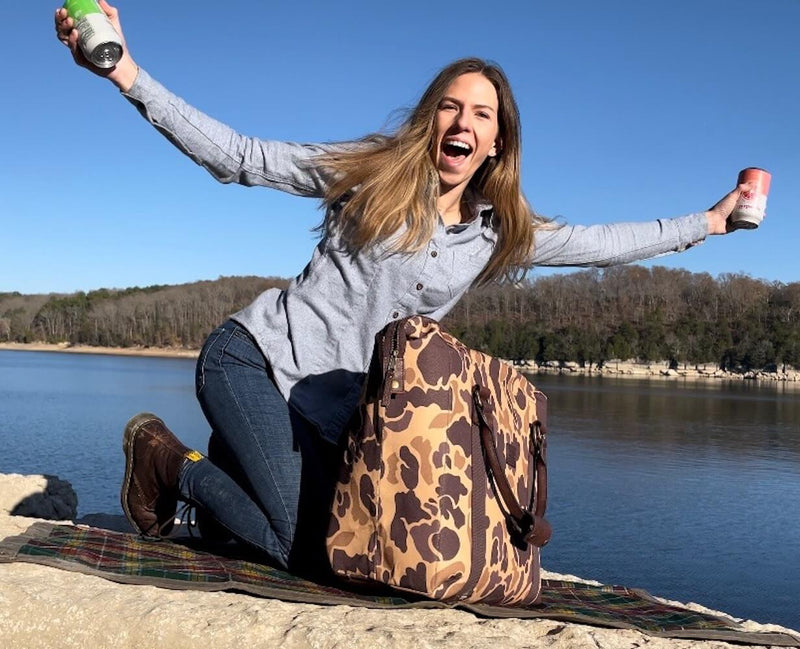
<point>614,368</point>
<point>162,352</point>
<point>47,607</point>
<point>661,370</point>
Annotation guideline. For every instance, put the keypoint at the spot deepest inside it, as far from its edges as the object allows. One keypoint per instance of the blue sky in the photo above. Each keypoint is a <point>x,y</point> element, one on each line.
<point>631,110</point>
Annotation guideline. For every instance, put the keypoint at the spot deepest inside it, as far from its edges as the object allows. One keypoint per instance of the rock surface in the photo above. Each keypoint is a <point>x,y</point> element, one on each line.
<point>55,609</point>
<point>39,496</point>
<point>661,370</point>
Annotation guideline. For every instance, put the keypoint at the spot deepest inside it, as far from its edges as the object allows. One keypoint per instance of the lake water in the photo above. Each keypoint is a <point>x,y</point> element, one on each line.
<point>690,491</point>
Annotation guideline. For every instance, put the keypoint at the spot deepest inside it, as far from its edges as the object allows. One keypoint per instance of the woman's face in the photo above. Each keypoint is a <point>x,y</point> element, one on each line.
<point>466,129</point>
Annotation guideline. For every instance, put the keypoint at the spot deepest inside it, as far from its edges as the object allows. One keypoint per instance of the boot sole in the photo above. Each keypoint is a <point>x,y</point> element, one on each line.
<point>128,439</point>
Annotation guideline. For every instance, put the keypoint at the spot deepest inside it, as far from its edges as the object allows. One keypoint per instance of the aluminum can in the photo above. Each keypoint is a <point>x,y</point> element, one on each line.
<point>98,39</point>
<point>751,208</point>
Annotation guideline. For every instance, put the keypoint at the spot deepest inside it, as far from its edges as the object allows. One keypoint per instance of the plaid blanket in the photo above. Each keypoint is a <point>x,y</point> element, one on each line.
<point>130,559</point>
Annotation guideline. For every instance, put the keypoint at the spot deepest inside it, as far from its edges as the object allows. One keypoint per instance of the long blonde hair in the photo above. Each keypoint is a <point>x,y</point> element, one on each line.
<point>390,181</point>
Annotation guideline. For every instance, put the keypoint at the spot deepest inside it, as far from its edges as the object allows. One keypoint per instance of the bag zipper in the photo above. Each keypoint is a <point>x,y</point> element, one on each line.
<point>394,370</point>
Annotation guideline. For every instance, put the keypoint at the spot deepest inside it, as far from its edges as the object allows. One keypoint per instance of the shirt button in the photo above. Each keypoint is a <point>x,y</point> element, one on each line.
<point>395,315</point>
<point>434,253</point>
<point>419,287</point>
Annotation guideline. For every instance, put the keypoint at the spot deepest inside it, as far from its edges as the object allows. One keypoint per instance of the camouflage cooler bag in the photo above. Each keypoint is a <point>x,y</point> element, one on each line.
<point>444,483</point>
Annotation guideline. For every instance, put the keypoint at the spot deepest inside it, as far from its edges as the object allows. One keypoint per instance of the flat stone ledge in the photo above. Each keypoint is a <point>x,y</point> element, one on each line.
<point>42,607</point>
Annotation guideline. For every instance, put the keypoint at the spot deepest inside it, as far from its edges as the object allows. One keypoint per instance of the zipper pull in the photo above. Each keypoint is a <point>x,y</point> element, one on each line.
<point>394,374</point>
<point>390,370</point>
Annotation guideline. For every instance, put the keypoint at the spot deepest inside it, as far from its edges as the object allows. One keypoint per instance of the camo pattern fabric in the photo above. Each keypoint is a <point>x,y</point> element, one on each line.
<point>414,507</point>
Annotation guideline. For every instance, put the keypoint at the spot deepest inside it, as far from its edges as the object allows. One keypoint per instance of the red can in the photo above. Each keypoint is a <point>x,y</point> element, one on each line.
<point>751,208</point>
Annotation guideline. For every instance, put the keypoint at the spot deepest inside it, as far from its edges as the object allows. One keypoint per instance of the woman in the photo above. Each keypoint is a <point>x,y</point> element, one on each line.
<point>412,221</point>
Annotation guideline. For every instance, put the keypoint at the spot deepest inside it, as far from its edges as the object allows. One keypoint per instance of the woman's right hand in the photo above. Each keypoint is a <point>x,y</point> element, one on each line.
<point>123,74</point>
<point>719,221</point>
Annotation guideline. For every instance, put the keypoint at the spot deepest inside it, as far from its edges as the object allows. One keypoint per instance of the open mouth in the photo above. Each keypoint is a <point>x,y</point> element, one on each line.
<point>455,151</point>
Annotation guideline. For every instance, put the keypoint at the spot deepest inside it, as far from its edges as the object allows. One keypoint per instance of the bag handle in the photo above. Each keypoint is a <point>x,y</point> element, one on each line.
<point>532,527</point>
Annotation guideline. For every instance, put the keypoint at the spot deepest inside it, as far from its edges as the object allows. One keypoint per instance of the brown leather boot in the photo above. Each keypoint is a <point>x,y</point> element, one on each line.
<point>153,458</point>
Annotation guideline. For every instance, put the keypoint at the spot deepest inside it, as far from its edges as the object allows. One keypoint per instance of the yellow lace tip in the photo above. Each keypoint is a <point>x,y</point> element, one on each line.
<point>194,456</point>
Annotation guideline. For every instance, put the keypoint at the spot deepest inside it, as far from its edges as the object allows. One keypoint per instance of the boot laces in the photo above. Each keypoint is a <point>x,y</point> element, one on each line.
<point>187,515</point>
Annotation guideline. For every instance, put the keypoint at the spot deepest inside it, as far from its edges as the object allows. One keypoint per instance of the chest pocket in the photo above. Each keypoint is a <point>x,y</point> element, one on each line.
<point>439,274</point>
<point>469,259</point>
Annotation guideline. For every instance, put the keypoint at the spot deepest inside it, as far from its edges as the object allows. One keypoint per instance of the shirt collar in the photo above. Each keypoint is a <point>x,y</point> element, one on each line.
<point>479,206</point>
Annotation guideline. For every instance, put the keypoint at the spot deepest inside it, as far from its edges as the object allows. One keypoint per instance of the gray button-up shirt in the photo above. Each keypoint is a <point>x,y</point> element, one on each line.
<point>318,333</point>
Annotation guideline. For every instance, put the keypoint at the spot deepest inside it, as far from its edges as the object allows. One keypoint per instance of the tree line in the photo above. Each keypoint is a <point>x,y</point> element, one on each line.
<point>632,312</point>
<point>593,316</point>
<point>155,316</point>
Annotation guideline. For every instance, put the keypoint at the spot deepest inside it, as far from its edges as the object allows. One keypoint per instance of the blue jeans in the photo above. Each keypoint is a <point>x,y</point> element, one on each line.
<point>274,488</point>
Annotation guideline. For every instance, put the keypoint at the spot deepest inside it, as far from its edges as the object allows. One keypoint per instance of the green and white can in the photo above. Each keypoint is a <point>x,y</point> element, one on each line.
<point>100,42</point>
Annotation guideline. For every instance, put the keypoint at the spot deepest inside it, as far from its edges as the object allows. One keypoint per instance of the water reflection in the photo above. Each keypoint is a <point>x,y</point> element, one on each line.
<point>690,492</point>
<point>735,418</point>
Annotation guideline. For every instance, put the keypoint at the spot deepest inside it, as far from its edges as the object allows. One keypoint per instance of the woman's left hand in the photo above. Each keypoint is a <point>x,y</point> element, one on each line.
<point>718,221</point>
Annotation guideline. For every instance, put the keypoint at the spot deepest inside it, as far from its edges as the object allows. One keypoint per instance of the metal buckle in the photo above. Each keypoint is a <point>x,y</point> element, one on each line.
<point>522,526</point>
<point>537,434</point>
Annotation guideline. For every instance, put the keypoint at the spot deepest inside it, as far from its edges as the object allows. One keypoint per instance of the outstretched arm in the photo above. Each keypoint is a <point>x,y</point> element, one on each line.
<point>619,243</point>
<point>227,155</point>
